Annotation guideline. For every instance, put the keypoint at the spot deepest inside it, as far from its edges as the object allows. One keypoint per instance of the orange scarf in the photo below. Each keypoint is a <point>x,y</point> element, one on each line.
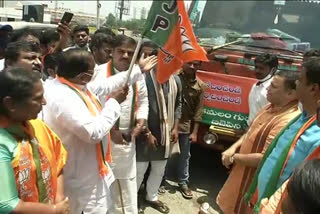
<point>35,165</point>
<point>92,103</point>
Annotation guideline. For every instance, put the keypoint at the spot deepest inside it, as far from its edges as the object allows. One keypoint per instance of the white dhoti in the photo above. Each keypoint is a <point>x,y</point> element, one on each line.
<point>155,177</point>
<point>124,189</point>
<point>124,197</point>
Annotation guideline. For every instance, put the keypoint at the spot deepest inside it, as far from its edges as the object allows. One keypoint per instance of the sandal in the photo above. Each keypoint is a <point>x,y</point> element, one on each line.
<point>186,192</point>
<point>159,205</point>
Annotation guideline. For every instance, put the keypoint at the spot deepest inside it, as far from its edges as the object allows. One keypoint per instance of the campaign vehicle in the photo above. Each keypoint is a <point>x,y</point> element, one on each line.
<point>233,33</point>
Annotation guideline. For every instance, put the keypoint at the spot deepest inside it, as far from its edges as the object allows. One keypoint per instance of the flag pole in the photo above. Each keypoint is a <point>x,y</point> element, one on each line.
<point>134,58</point>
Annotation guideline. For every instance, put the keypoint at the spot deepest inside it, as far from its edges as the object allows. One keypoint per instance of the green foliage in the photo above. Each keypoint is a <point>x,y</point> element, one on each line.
<point>111,21</point>
<point>136,25</point>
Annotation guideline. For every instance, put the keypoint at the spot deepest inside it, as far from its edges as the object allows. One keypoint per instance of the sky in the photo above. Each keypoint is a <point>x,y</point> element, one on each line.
<point>106,6</point>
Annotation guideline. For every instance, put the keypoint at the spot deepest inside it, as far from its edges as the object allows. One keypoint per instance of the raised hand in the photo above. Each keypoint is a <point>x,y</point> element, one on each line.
<point>146,64</point>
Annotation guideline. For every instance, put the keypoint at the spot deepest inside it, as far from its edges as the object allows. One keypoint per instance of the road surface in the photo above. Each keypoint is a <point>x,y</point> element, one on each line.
<point>207,177</point>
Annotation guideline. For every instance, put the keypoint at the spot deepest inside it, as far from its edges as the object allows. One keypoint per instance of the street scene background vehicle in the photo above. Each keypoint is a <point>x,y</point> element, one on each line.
<point>250,28</point>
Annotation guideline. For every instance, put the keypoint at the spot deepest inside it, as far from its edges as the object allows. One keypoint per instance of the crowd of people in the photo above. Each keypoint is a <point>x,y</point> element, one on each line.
<point>80,133</point>
<point>282,134</point>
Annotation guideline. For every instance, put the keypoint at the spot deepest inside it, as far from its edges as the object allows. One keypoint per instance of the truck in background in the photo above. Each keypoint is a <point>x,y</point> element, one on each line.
<point>233,33</point>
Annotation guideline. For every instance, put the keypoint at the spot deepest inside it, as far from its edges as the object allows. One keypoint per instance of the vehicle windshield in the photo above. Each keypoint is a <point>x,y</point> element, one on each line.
<point>290,25</point>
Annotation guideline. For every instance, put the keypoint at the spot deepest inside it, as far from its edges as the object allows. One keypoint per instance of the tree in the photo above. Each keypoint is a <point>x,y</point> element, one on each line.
<point>111,21</point>
<point>135,25</point>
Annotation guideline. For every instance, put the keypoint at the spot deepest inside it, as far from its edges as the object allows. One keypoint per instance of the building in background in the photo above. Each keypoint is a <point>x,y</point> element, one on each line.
<point>143,13</point>
<point>13,11</point>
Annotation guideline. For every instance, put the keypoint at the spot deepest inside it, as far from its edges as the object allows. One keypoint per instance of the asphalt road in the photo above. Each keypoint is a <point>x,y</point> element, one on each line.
<point>206,179</point>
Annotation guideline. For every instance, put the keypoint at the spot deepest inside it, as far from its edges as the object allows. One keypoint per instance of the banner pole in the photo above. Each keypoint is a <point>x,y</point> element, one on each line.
<point>134,58</point>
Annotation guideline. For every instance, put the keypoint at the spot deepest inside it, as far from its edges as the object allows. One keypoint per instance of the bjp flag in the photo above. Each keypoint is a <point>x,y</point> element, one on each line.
<point>169,27</point>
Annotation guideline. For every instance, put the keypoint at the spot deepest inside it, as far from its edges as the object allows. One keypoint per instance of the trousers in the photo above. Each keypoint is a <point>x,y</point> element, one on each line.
<point>154,179</point>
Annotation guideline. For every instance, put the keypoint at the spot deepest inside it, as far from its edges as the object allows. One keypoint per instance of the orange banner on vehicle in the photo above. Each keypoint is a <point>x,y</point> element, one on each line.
<point>226,92</point>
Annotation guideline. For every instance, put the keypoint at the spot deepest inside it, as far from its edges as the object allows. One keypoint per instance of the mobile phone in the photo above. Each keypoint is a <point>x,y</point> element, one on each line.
<point>318,116</point>
<point>66,18</point>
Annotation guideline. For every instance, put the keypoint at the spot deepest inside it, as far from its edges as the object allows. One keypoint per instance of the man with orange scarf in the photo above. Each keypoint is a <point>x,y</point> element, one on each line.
<point>293,144</point>
<point>31,155</point>
<point>75,113</point>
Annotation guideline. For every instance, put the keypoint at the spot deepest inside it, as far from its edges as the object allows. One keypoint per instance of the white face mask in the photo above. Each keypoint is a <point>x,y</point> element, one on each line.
<point>266,78</point>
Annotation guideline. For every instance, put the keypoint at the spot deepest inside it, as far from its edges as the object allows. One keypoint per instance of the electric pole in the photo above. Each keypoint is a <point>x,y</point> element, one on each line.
<point>98,14</point>
<point>121,8</point>
<point>55,18</point>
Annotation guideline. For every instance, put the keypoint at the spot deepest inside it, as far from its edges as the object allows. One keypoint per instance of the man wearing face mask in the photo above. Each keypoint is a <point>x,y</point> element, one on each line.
<point>265,67</point>
<point>76,114</point>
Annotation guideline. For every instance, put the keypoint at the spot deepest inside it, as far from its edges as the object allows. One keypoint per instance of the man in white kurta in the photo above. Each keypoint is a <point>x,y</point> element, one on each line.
<point>80,131</point>
<point>258,97</point>
<point>134,112</point>
<point>265,67</point>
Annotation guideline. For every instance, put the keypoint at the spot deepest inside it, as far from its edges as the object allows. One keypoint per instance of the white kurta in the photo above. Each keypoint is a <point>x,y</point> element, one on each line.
<point>69,117</point>
<point>123,156</point>
<point>258,98</point>
<point>124,190</point>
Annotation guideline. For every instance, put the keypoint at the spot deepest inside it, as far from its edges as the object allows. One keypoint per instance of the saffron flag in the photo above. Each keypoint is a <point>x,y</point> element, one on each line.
<point>169,27</point>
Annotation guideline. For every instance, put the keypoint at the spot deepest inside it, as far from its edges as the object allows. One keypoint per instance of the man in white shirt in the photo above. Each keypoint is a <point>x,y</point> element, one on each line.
<point>101,47</point>
<point>134,112</point>
<point>75,114</point>
<point>80,36</point>
<point>265,67</point>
